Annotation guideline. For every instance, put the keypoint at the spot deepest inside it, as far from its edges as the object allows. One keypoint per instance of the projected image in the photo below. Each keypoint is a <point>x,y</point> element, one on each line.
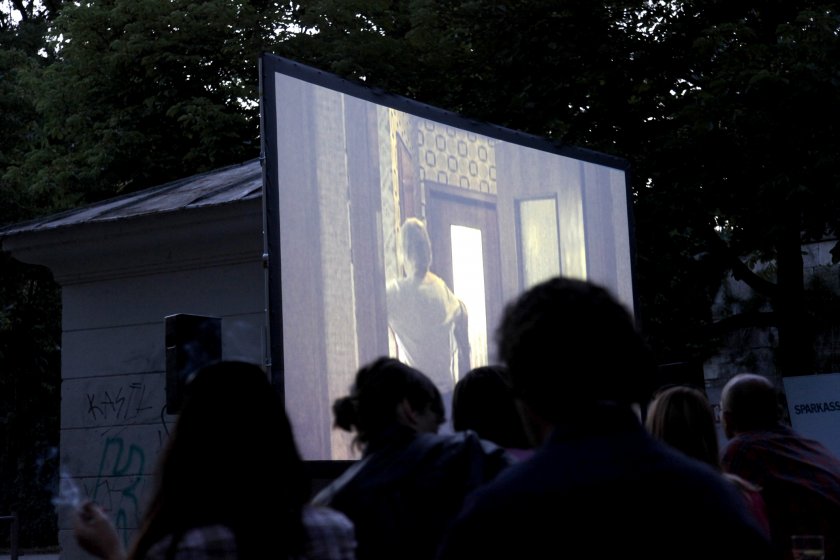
<point>428,322</point>
<point>397,229</point>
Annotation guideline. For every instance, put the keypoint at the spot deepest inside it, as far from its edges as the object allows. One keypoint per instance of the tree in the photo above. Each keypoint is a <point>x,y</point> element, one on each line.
<point>30,334</point>
<point>29,309</point>
<point>532,65</point>
<point>22,41</point>
<point>752,143</point>
<point>143,92</point>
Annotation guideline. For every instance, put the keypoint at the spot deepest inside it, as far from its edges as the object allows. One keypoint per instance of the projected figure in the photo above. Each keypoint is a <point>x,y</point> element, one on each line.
<point>427,319</point>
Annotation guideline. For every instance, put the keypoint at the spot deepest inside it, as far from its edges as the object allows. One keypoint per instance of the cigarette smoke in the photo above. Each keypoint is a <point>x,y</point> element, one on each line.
<point>69,494</point>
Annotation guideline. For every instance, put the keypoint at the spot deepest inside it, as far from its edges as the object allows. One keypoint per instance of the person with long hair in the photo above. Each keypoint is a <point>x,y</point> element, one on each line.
<point>232,431</point>
<point>682,417</point>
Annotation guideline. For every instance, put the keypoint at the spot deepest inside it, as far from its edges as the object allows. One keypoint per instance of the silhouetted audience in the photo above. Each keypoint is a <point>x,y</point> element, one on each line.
<point>232,428</point>
<point>483,402</point>
<point>599,486</point>
<point>799,477</point>
<point>682,417</point>
<point>410,481</point>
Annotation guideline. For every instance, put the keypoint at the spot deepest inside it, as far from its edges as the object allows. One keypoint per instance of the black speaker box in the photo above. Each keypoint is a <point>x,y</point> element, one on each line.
<point>192,341</point>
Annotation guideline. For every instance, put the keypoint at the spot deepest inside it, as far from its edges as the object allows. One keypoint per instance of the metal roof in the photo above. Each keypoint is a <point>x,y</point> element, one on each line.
<point>220,186</point>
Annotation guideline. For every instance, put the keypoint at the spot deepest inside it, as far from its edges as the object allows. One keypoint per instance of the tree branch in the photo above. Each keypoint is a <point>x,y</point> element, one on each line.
<point>740,271</point>
<point>749,319</point>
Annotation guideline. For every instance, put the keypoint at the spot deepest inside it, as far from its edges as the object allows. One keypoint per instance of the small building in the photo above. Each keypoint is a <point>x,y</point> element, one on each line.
<point>192,246</point>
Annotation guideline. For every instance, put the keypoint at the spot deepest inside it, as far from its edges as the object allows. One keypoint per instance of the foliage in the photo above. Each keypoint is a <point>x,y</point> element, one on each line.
<point>30,333</point>
<point>143,92</point>
<point>749,151</point>
<point>545,67</point>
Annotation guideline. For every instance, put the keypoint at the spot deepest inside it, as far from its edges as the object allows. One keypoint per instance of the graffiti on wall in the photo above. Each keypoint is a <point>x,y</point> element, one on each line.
<point>128,427</point>
<point>118,485</point>
<point>127,403</point>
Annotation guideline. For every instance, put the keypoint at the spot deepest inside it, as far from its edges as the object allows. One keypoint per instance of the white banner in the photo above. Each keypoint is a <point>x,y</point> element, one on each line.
<point>814,407</point>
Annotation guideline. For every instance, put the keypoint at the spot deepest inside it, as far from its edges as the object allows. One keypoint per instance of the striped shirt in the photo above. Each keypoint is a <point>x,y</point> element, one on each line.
<point>330,536</point>
<point>800,482</point>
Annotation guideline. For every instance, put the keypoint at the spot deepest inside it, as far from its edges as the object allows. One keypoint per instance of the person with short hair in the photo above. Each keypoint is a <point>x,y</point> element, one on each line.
<point>428,320</point>
<point>799,477</point>
<point>598,486</point>
<point>484,403</point>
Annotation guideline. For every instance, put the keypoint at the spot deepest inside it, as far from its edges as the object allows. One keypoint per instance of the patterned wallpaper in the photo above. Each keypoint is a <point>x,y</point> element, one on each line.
<point>453,157</point>
<point>441,154</point>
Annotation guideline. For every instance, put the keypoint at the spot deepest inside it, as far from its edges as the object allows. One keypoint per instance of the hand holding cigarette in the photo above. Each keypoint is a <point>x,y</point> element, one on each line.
<point>96,534</point>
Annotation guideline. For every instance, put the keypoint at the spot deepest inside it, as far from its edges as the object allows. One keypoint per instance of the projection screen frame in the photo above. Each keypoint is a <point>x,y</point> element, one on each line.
<point>272,66</point>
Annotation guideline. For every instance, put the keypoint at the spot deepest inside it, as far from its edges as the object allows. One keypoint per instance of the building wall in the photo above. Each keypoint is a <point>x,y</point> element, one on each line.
<point>752,349</point>
<point>118,283</point>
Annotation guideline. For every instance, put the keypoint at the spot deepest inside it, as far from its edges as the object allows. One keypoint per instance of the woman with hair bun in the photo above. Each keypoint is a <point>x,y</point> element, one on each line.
<point>411,481</point>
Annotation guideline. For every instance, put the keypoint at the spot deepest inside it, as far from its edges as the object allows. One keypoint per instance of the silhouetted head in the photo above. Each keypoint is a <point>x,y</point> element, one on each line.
<point>569,344</point>
<point>232,428</point>
<point>682,417</point>
<point>416,247</point>
<point>749,402</point>
<point>383,392</point>
<point>483,402</point>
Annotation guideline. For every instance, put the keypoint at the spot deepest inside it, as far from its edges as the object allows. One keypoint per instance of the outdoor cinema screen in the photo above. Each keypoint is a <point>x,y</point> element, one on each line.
<point>395,228</point>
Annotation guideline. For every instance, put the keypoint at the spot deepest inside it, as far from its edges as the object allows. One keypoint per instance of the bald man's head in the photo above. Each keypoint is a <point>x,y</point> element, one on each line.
<point>749,402</point>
